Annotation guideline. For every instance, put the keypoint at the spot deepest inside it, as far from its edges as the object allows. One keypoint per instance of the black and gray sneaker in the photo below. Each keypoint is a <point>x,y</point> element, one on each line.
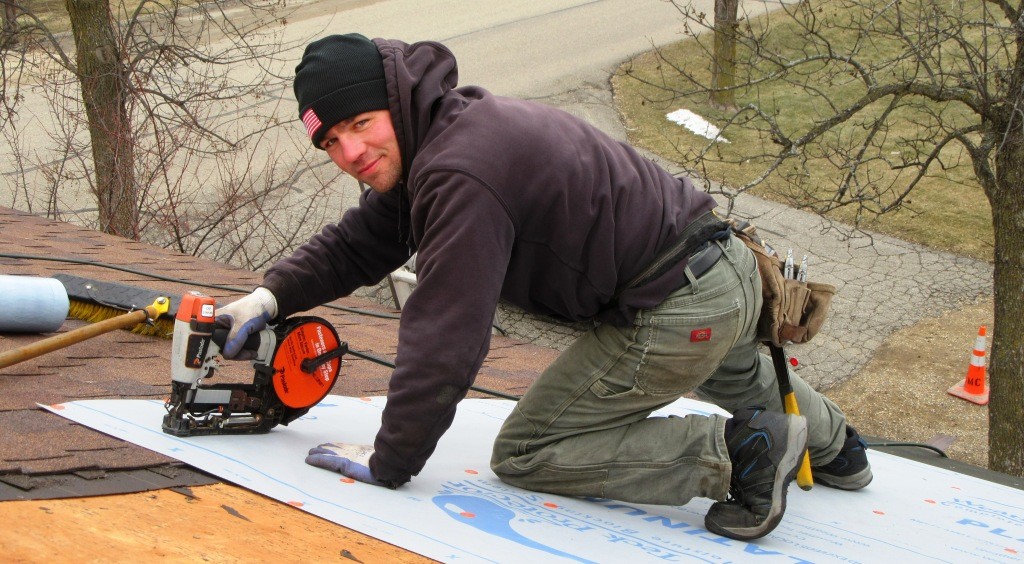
<point>850,469</point>
<point>766,449</point>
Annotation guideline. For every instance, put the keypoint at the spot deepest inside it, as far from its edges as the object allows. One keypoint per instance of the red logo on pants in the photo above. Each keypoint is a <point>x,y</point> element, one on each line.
<point>698,335</point>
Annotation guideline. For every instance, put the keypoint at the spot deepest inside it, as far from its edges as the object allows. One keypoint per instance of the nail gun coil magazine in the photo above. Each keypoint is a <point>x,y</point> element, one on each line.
<point>295,365</point>
<point>310,339</point>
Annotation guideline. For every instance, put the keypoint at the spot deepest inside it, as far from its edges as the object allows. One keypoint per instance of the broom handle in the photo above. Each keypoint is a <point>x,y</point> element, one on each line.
<point>50,344</point>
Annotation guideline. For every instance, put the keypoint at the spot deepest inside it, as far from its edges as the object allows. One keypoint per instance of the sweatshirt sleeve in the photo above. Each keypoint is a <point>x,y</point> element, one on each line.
<point>467,239</point>
<point>360,250</point>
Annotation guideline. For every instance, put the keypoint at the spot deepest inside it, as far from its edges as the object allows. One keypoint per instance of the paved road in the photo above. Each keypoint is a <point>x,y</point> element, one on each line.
<point>561,52</point>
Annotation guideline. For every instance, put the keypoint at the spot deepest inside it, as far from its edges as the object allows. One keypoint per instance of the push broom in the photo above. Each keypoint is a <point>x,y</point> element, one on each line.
<point>108,306</point>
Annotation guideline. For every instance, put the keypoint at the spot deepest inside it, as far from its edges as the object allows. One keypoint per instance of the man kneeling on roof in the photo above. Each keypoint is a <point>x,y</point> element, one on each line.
<point>505,199</point>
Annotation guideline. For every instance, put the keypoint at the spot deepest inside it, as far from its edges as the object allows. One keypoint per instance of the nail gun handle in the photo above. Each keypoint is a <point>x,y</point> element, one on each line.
<point>220,336</point>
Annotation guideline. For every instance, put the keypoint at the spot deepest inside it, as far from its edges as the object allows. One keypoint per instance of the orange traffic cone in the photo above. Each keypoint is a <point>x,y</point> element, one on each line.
<point>974,388</point>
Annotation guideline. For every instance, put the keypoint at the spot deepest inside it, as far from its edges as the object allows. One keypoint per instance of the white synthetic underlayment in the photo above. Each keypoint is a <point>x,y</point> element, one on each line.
<point>457,511</point>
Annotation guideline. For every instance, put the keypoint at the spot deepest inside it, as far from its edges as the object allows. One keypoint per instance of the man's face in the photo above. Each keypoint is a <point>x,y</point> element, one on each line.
<point>365,147</point>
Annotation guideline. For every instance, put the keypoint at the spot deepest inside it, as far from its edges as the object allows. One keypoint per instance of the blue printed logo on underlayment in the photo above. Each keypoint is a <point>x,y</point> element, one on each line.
<point>491,518</point>
<point>603,527</point>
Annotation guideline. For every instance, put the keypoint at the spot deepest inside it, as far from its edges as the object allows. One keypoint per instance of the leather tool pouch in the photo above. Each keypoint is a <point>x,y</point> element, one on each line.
<point>793,311</point>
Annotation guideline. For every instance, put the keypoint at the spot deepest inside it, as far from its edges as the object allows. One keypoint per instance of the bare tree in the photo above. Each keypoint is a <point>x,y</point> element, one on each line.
<point>163,113</point>
<point>929,87</point>
<point>105,86</point>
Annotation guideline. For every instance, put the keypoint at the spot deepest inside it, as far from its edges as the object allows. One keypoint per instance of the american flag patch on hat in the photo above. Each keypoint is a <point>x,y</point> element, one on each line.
<point>312,122</point>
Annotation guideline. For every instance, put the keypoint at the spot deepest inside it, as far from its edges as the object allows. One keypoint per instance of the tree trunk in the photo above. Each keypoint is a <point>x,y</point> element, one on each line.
<point>102,75</point>
<point>1006,416</point>
<point>10,24</point>
<point>723,59</point>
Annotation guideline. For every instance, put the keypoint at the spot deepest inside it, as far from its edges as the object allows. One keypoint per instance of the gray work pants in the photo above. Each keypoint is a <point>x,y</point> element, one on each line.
<point>583,428</point>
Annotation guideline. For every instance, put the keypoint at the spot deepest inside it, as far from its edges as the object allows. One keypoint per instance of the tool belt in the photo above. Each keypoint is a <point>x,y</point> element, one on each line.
<point>793,310</point>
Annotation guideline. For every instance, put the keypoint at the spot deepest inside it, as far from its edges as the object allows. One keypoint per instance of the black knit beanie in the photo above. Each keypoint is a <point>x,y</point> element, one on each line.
<point>339,76</point>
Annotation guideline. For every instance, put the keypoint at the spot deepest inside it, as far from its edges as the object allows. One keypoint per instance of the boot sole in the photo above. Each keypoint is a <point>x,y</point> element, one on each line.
<point>796,445</point>
<point>848,483</point>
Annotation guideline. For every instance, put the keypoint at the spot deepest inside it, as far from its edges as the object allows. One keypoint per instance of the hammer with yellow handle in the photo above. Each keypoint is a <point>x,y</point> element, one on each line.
<point>803,475</point>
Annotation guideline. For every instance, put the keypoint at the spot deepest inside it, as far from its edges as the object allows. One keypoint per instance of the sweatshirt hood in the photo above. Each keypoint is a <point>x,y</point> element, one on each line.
<point>417,76</point>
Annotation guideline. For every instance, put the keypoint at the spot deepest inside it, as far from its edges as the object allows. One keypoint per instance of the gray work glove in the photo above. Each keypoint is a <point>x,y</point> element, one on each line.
<point>352,461</point>
<point>246,316</point>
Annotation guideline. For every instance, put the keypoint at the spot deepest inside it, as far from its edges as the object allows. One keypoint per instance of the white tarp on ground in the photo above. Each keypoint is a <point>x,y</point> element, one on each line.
<point>456,510</point>
<point>696,124</point>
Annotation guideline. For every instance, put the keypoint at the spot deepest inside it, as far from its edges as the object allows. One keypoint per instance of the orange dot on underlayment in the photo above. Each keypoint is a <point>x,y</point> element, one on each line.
<point>347,481</point>
<point>364,399</point>
<point>932,501</point>
<point>57,406</point>
<point>550,505</point>
<point>877,512</point>
<point>468,515</point>
<point>471,471</point>
<point>1010,550</point>
<point>296,503</point>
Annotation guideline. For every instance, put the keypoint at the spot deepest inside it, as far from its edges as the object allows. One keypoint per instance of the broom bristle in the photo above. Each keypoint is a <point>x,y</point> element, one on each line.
<point>94,313</point>
<point>163,328</point>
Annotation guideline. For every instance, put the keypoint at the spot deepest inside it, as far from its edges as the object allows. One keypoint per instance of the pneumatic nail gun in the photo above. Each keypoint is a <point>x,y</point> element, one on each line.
<point>295,365</point>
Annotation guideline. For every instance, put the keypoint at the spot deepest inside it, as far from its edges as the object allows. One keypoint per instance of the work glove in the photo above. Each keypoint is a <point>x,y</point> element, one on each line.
<point>348,460</point>
<point>246,316</point>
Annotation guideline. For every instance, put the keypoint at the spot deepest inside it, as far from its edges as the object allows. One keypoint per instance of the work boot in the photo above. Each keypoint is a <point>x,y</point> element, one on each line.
<point>765,449</point>
<point>849,470</point>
